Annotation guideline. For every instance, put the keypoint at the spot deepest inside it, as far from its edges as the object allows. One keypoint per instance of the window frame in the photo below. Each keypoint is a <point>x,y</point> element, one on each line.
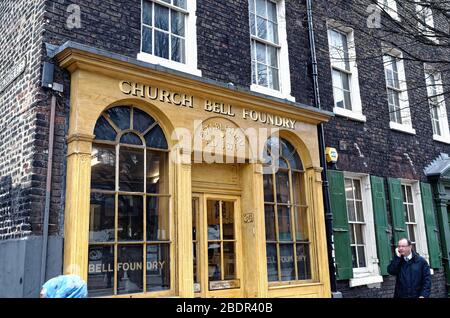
<point>441,107</point>
<point>117,192</point>
<point>426,22</point>
<point>390,7</point>
<point>371,273</point>
<point>292,205</point>
<point>284,76</point>
<point>190,66</point>
<point>355,112</point>
<point>421,237</point>
<point>402,90</point>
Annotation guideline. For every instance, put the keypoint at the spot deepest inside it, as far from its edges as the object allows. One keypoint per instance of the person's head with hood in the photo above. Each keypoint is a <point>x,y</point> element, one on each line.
<point>64,286</point>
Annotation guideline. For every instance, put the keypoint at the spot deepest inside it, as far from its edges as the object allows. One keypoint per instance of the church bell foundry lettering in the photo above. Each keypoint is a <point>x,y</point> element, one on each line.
<point>178,99</point>
<point>105,268</point>
<point>155,93</point>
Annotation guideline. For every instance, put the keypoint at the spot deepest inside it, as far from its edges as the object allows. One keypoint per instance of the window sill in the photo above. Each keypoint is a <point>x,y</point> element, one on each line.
<point>271,92</point>
<point>349,114</point>
<point>402,128</point>
<point>145,57</point>
<point>445,140</point>
<point>367,279</point>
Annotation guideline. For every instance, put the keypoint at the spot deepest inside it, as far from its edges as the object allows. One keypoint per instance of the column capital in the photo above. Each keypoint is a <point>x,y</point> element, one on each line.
<point>79,144</point>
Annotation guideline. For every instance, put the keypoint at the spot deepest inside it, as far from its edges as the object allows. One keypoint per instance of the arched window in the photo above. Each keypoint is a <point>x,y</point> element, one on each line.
<point>287,241</point>
<point>129,230</point>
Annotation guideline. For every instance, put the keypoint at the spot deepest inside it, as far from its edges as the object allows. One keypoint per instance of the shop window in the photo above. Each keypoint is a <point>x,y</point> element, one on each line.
<point>129,229</point>
<point>287,238</point>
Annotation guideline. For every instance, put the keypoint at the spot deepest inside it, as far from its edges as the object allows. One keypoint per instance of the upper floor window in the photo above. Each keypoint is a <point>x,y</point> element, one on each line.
<point>265,43</point>
<point>390,6</point>
<point>426,21</point>
<point>269,47</point>
<point>438,109</point>
<point>399,112</point>
<point>347,100</point>
<point>169,34</point>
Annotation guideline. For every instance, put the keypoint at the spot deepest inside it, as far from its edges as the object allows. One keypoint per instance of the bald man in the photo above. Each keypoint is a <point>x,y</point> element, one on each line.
<point>413,277</point>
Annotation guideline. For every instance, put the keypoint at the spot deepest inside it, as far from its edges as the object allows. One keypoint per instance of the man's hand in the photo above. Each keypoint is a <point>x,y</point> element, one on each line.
<point>396,252</point>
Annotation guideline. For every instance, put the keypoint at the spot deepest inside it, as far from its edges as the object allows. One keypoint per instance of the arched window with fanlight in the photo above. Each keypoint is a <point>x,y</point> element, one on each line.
<point>286,224</point>
<point>129,231</point>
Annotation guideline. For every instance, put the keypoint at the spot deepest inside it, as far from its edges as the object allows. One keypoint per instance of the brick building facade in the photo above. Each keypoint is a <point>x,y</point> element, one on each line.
<point>224,59</point>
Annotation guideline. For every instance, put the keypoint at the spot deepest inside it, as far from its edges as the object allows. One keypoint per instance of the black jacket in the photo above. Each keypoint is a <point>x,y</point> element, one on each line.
<point>413,278</point>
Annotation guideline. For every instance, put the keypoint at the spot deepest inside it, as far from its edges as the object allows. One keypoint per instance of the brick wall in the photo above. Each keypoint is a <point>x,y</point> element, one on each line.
<point>223,55</point>
<point>372,147</point>
<point>20,38</point>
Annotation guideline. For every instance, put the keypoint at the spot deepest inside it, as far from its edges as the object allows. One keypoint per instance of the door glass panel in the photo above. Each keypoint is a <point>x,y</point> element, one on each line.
<point>214,262</point>
<point>228,220</point>
<point>213,210</point>
<point>229,260</point>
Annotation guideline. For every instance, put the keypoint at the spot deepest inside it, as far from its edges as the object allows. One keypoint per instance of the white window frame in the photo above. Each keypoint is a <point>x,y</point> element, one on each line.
<point>190,41</point>
<point>427,29</point>
<point>405,111</point>
<point>390,6</point>
<point>283,59</point>
<point>355,95</point>
<point>443,118</point>
<point>371,273</point>
<point>421,237</point>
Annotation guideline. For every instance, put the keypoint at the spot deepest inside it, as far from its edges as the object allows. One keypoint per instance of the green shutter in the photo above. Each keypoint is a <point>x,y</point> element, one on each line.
<point>397,209</point>
<point>343,254</point>
<point>381,223</point>
<point>430,225</point>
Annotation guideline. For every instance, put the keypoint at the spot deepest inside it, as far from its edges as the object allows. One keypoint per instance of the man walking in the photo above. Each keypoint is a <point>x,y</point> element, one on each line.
<point>413,277</point>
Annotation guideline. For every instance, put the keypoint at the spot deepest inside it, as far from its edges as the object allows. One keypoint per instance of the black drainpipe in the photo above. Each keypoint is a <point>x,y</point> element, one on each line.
<point>323,163</point>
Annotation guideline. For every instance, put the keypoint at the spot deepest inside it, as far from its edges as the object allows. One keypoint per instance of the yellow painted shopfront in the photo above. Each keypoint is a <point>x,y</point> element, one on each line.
<point>180,187</point>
